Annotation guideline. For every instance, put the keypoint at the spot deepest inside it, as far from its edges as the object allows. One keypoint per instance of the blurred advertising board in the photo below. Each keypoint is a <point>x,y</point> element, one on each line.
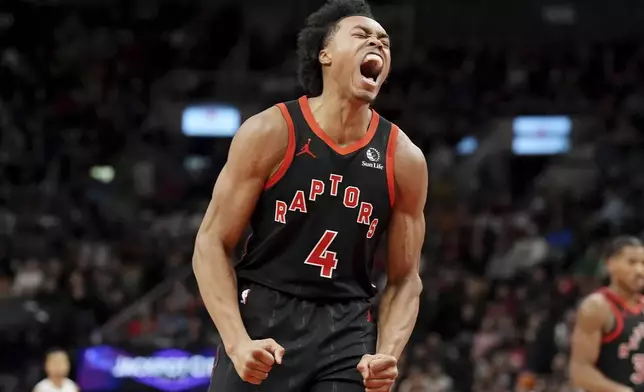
<point>110,368</point>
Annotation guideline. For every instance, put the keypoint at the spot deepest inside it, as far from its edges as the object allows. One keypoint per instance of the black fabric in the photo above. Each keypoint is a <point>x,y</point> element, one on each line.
<point>280,253</point>
<point>323,343</point>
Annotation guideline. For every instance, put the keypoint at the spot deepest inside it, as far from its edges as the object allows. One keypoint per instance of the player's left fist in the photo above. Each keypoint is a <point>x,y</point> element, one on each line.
<point>378,371</point>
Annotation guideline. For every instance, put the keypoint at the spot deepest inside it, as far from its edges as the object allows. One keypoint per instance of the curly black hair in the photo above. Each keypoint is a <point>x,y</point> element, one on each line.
<point>616,245</point>
<point>315,35</point>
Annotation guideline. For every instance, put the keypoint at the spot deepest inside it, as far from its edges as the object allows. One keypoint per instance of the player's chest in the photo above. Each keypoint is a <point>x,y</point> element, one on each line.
<point>337,192</point>
<point>631,338</point>
<point>335,181</point>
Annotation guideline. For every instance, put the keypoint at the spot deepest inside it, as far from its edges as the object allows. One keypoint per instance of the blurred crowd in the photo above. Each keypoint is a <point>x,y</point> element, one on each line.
<point>97,205</point>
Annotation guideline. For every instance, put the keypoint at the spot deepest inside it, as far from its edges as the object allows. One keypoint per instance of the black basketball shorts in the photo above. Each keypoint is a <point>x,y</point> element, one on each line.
<point>323,343</point>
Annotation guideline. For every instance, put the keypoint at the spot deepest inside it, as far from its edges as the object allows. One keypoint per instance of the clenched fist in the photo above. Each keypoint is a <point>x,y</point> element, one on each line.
<point>254,359</point>
<point>378,371</point>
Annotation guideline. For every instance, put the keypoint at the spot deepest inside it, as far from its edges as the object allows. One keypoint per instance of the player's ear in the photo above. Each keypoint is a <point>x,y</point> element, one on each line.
<point>324,57</point>
<point>609,266</point>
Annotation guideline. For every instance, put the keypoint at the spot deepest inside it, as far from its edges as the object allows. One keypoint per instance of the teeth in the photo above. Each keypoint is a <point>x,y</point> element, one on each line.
<point>373,57</point>
<point>369,80</point>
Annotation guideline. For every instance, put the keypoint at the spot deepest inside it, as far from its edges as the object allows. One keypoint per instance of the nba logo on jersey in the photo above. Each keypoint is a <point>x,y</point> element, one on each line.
<point>373,156</point>
<point>244,295</point>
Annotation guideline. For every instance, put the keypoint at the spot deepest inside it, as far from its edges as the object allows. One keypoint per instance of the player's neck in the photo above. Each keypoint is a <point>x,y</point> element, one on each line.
<point>629,297</point>
<point>343,120</point>
<point>57,381</point>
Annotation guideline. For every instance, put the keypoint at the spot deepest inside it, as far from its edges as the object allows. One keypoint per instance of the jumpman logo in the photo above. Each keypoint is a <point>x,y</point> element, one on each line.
<point>306,149</point>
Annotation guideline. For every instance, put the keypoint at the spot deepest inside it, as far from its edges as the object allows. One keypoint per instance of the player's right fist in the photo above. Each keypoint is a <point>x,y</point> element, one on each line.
<point>254,359</point>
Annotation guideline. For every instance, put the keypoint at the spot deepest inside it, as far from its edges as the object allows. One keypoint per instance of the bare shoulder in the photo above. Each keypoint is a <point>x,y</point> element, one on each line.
<point>594,311</point>
<point>266,130</point>
<point>261,141</point>
<point>410,168</point>
<point>408,155</point>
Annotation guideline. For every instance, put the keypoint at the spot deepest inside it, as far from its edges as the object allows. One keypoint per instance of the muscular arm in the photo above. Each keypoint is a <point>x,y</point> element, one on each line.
<point>399,306</point>
<point>592,316</point>
<point>256,150</point>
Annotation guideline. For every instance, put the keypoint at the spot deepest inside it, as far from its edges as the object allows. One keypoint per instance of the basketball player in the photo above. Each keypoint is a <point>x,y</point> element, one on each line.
<point>57,369</point>
<point>319,179</point>
<point>607,355</point>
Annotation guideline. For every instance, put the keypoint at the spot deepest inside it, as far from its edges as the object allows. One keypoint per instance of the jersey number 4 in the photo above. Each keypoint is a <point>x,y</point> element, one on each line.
<point>322,257</point>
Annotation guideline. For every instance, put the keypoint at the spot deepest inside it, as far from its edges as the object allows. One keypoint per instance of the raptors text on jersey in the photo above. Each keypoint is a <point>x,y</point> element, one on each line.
<point>317,225</point>
<point>350,199</point>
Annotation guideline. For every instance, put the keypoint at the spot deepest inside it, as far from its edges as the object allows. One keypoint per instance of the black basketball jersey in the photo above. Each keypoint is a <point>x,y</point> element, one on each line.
<point>621,357</point>
<point>317,225</point>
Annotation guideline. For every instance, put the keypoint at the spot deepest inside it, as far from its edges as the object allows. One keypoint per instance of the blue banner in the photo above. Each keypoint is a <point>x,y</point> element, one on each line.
<point>108,368</point>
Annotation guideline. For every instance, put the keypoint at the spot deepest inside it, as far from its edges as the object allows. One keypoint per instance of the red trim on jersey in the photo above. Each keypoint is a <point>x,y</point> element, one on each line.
<point>619,323</point>
<point>342,150</point>
<point>614,303</point>
<point>633,309</point>
<point>390,162</point>
<point>290,149</point>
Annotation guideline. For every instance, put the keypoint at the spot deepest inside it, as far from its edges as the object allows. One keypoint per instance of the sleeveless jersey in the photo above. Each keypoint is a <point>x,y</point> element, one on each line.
<point>47,385</point>
<point>621,357</point>
<point>317,225</point>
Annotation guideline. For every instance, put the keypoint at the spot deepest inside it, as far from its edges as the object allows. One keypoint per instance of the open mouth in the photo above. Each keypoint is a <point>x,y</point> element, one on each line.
<point>371,67</point>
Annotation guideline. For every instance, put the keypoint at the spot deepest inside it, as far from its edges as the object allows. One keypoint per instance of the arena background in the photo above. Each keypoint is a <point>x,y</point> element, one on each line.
<point>116,116</point>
